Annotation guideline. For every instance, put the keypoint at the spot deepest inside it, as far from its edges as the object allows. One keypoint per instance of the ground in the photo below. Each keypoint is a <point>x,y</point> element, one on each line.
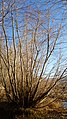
<point>6,113</point>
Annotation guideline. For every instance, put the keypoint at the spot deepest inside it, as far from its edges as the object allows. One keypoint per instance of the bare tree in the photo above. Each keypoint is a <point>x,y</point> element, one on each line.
<point>32,37</point>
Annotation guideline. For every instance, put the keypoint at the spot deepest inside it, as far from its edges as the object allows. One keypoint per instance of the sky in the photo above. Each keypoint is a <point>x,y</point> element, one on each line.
<point>42,9</point>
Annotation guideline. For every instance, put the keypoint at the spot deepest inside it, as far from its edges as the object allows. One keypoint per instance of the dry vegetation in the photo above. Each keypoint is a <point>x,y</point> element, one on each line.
<point>30,74</point>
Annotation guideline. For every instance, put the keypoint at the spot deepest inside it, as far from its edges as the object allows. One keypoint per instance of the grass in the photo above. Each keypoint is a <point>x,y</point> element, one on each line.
<point>7,111</point>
